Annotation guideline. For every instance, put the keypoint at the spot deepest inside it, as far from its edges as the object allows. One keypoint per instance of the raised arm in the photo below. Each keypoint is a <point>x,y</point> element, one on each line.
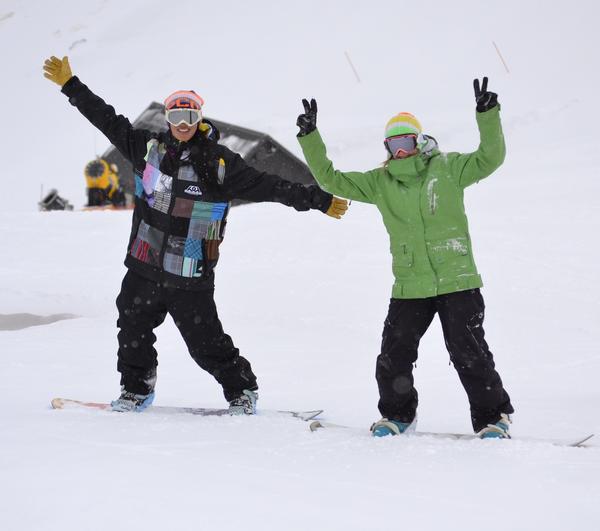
<point>129,141</point>
<point>352,185</point>
<point>244,182</point>
<point>470,168</point>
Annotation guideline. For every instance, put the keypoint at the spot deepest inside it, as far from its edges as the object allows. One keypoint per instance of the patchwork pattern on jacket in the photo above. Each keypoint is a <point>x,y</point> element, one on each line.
<point>182,255</point>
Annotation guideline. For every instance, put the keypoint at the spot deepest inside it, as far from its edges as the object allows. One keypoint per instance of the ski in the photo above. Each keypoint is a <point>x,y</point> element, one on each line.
<point>316,425</point>
<point>67,403</point>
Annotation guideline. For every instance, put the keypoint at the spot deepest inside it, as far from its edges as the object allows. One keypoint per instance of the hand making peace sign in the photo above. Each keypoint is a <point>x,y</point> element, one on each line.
<point>485,100</point>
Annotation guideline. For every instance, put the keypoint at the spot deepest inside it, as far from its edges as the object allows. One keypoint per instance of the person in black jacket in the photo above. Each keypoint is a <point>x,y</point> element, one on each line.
<point>184,183</point>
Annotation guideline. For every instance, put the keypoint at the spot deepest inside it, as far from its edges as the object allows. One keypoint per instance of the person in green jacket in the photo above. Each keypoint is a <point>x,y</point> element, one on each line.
<point>419,192</point>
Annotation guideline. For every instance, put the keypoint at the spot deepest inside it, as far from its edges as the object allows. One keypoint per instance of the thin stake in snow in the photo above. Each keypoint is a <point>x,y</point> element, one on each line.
<point>352,66</point>
<point>501,58</point>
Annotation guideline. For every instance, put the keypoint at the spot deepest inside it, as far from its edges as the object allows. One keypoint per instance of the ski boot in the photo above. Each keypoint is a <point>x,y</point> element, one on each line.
<point>245,404</point>
<point>131,401</point>
<point>385,427</point>
<point>499,430</point>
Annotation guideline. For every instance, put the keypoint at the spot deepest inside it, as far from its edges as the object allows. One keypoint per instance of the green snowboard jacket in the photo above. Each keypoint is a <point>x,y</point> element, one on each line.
<point>421,201</point>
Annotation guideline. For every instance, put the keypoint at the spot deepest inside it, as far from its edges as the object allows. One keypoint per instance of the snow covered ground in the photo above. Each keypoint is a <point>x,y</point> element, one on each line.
<point>303,296</point>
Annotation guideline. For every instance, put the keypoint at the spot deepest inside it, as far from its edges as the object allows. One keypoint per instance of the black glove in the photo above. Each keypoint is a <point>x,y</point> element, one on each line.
<point>307,122</point>
<point>485,100</point>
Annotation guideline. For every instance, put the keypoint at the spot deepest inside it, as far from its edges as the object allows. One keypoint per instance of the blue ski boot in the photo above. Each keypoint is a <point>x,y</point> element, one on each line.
<point>385,427</point>
<point>132,402</point>
<point>498,430</point>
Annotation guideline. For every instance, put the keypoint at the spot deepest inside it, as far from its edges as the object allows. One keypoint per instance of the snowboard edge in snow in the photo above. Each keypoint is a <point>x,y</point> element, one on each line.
<point>573,443</point>
<point>67,403</point>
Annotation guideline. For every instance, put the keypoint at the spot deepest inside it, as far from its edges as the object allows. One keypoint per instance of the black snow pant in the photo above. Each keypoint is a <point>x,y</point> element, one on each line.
<point>461,315</point>
<point>143,305</point>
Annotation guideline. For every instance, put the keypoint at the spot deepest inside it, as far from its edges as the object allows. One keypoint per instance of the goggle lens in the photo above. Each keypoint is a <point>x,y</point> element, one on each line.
<point>403,143</point>
<point>187,116</point>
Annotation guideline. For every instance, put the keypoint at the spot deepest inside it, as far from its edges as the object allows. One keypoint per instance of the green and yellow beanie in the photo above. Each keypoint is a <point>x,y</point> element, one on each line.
<point>403,123</point>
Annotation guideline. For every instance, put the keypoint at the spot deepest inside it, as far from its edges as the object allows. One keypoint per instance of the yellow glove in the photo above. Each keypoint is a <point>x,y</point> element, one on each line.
<point>337,208</point>
<point>57,70</point>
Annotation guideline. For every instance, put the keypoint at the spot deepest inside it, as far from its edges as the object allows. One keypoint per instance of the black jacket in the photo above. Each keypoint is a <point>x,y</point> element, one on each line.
<point>183,192</point>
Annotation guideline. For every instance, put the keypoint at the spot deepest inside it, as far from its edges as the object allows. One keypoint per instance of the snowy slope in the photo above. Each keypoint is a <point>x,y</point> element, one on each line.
<point>304,296</point>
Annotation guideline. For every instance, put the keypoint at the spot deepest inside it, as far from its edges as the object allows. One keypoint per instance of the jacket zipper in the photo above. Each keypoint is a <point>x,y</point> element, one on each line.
<point>163,249</point>
<point>425,236</point>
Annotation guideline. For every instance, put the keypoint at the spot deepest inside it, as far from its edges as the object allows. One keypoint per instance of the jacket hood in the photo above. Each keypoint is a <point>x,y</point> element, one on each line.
<point>428,146</point>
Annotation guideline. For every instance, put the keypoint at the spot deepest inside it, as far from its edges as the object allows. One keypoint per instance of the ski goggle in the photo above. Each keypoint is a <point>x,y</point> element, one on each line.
<point>401,144</point>
<point>186,116</point>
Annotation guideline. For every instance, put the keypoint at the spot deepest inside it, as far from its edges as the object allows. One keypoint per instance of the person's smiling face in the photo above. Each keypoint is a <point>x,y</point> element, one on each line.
<point>183,132</point>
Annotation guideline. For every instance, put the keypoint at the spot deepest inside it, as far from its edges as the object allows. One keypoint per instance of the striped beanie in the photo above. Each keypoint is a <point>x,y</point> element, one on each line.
<point>403,123</point>
<point>184,99</point>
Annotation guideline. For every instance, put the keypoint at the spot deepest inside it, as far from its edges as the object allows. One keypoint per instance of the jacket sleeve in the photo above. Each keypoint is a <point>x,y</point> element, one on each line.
<point>244,182</point>
<point>129,141</point>
<point>352,185</point>
<point>470,168</point>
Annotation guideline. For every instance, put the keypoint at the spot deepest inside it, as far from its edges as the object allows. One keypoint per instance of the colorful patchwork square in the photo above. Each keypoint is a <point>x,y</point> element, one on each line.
<point>193,249</point>
<point>209,211</point>
<point>142,251</point>
<point>164,183</point>
<point>187,173</point>
<point>142,232</point>
<point>139,186</point>
<point>153,155</point>
<point>150,178</point>
<point>212,249</point>
<point>219,211</point>
<point>161,202</point>
<point>173,263</point>
<point>176,245</point>
<point>152,236</point>
<point>198,229</point>
<point>202,210</point>
<point>191,268</point>
<point>183,208</point>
